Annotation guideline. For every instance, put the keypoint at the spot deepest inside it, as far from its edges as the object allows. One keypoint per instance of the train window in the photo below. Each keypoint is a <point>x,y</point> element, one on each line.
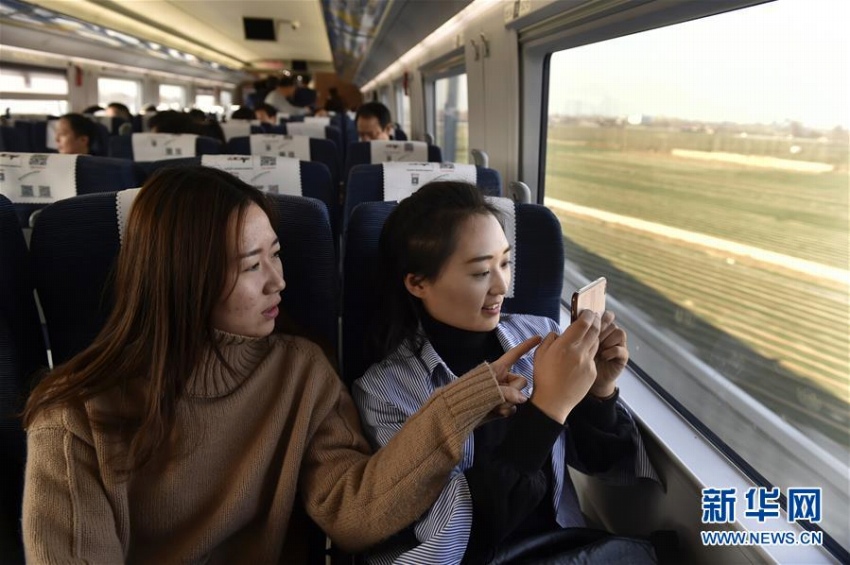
<point>452,118</point>
<point>205,100</point>
<point>172,97</point>
<point>33,91</point>
<point>125,91</point>
<point>703,169</point>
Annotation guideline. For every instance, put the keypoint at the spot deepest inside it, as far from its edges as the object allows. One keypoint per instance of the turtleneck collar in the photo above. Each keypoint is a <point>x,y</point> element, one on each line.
<point>241,355</point>
<point>461,350</point>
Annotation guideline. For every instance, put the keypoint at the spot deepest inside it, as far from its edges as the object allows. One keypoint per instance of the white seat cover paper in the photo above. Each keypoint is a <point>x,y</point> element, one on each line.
<point>388,151</point>
<point>403,179</point>
<point>38,178</point>
<point>306,128</point>
<point>156,146</point>
<point>275,175</point>
<point>292,146</point>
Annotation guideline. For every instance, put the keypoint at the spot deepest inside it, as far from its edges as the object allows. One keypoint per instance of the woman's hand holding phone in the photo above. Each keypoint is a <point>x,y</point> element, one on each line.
<point>564,367</point>
<point>611,358</point>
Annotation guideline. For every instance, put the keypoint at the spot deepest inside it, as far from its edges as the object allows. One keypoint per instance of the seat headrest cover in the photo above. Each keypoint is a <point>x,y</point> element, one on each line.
<point>292,146</point>
<point>403,179</point>
<point>310,129</point>
<point>156,146</point>
<point>506,207</point>
<point>123,203</point>
<point>50,134</point>
<point>275,175</point>
<point>386,151</point>
<point>324,120</point>
<point>236,128</point>
<point>38,178</point>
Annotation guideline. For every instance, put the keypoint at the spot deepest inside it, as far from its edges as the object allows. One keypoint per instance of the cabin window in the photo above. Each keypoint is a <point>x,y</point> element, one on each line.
<point>125,91</point>
<point>703,169</point>
<point>172,97</point>
<point>33,91</point>
<point>452,118</point>
<point>205,100</point>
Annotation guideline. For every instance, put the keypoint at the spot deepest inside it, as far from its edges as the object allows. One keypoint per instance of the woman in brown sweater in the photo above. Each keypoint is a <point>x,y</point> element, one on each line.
<point>188,430</point>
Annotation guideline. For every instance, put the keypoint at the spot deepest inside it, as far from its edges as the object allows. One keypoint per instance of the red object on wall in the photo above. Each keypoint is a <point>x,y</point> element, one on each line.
<point>78,76</point>
<point>404,84</point>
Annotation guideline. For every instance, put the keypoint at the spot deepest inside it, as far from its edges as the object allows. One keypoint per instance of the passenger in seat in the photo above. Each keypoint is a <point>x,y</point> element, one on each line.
<point>75,134</point>
<point>446,266</point>
<point>190,430</point>
<point>266,113</point>
<point>374,122</point>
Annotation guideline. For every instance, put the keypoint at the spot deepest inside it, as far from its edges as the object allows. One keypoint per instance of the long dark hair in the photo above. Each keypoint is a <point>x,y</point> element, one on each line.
<point>171,271</point>
<point>418,238</point>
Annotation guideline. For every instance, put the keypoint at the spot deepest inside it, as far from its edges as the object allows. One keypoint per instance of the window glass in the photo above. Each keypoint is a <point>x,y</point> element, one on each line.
<point>17,107</point>
<point>28,92</point>
<point>125,91</point>
<point>172,97</point>
<point>205,100</point>
<point>703,169</point>
<point>452,118</point>
<point>32,82</point>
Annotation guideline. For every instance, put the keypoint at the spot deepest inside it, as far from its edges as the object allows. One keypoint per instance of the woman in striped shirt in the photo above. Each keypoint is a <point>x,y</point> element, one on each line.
<point>446,264</point>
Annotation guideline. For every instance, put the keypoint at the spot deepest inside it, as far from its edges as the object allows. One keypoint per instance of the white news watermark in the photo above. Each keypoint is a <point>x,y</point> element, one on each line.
<point>719,507</point>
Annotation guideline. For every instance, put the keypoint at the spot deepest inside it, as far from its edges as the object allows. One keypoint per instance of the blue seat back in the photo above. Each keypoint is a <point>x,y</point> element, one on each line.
<point>538,275</point>
<point>15,139</point>
<point>366,184</point>
<point>22,353</point>
<point>360,153</point>
<point>75,243</point>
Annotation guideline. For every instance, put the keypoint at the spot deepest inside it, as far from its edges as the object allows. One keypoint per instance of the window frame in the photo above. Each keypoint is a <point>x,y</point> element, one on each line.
<point>545,32</point>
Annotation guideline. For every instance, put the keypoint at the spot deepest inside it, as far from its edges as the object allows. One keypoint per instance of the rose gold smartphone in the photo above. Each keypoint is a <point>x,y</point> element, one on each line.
<point>590,297</point>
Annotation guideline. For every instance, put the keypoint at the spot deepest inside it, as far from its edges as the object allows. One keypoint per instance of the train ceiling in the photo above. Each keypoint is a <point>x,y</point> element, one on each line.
<point>355,38</point>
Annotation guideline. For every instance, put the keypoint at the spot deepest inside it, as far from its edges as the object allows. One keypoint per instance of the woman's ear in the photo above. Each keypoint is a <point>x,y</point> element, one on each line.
<point>416,285</point>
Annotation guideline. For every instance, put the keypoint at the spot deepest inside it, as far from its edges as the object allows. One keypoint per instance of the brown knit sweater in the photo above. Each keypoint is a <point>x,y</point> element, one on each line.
<point>284,424</point>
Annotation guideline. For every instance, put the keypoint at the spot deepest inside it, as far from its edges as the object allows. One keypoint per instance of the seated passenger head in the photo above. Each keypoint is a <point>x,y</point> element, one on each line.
<point>197,115</point>
<point>172,121</point>
<point>243,113</point>
<point>286,84</point>
<point>75,134</point>
<point>443,252</point>
<point>373,122</point>
<point>266,113</point>
<point>119,110</point>
<point>225,274</point>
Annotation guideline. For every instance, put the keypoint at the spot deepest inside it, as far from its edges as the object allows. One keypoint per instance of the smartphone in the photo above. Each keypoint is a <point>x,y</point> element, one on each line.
<point>589,297</point>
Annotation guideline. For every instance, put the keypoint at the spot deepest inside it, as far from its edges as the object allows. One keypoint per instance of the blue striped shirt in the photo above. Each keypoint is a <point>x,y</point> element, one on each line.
<point>393,390</point>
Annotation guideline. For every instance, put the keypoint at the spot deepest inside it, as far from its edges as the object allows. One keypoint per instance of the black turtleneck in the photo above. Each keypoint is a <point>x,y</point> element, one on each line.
<point>511,474</point>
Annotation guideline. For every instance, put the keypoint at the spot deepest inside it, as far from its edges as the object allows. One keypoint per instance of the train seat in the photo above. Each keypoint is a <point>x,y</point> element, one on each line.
<point>317,130</point>
<point>366,152</point>
<point>239,128</point>
<point>394,181</point>
<point>52,177</point>
<point>75,243</point>
<point>535,236</point>
<point>22,353</point>
<point>14,139</point>
<point>283,175</point>
<point>293,146</point>
<point>146,147</point>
